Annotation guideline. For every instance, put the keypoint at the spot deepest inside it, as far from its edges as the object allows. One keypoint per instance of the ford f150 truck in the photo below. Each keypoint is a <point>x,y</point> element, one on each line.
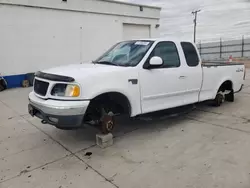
<point>133,77</point>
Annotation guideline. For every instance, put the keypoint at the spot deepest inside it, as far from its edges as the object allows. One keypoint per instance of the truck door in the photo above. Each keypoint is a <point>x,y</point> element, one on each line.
<point>162,87</point>
<point>192,72</point>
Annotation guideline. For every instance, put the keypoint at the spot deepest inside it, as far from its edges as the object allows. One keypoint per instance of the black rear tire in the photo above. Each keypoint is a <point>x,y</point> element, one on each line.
<point>230,97</point>
<point>218,100</point>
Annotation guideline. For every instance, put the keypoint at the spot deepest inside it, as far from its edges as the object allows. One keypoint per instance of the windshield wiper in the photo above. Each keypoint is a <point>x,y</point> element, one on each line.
<point>106,63</point>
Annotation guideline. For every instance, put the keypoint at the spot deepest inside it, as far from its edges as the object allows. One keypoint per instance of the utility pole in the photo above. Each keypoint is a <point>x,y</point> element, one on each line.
<point>195,22</point>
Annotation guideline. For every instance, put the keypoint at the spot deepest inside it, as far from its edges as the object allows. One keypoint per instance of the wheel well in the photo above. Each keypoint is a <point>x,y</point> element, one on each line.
<point>227,85</point>
<point>114,101</point>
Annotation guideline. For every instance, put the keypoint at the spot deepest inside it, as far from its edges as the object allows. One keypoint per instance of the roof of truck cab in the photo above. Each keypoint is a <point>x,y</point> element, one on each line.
<point>176,40</point>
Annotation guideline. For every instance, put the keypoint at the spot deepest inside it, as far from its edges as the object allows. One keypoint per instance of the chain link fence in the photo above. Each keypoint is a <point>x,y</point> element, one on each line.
<point>223,49</point>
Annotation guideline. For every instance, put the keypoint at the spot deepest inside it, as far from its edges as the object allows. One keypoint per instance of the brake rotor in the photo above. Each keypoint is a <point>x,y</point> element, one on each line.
<point>107,124</point>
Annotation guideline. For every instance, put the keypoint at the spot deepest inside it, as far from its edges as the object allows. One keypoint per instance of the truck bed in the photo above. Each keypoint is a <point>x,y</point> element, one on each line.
<point>215,73</point>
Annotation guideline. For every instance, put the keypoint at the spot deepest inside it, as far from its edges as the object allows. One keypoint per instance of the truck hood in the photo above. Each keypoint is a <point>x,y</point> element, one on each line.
<point>78,71</point>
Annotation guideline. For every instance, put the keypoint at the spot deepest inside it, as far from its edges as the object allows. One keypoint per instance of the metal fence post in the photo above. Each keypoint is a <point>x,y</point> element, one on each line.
<point>242,49</point>
<point>200,47</point>
<point>220,48</point>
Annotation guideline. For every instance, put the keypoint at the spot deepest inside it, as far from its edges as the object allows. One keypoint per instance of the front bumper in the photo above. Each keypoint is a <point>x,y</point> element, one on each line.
<point>61,114</point>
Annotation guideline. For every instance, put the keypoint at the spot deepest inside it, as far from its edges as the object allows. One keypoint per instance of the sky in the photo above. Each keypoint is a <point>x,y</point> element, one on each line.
<point>228,19</point>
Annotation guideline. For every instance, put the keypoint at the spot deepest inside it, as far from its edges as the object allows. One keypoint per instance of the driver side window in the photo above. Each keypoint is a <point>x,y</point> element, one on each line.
<point>169,54</point>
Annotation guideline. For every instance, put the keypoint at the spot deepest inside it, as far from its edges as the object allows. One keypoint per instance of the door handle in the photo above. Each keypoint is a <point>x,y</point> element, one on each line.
<point>182,77</point>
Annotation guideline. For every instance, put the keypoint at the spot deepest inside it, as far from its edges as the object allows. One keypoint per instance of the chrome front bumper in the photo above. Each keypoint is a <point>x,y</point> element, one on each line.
<point>62,114</point>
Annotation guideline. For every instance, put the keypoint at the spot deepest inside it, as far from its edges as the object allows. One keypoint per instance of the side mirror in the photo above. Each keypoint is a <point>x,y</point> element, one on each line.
<point>155,61</point>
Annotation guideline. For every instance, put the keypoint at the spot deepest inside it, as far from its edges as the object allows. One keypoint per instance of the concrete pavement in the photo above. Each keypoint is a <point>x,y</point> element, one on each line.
<point>207,147</point>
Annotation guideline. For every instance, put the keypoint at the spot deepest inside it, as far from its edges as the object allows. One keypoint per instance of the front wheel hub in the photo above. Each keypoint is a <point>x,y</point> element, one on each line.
<point>107,124</point>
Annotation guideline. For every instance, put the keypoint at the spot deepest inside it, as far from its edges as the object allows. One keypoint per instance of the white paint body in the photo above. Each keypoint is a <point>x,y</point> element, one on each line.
<point>157,89</point>
<point>42,34</point>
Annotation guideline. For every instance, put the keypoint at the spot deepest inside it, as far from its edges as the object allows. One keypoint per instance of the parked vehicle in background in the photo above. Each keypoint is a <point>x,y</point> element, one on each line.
<point>134,77</point>
<point>3,84</point>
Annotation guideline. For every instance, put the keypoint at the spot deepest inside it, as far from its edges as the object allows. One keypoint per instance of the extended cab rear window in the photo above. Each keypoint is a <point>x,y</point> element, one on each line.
<point>190,53</point>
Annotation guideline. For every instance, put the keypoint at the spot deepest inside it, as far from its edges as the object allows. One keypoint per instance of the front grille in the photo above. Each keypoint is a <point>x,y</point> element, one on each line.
<point>41,87</point>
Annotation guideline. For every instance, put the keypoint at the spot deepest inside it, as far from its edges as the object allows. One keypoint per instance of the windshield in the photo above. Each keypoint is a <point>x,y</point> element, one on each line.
<point>128,53</point>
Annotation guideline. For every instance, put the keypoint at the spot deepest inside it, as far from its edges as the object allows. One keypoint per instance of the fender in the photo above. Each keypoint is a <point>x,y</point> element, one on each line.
<point>135,107</point>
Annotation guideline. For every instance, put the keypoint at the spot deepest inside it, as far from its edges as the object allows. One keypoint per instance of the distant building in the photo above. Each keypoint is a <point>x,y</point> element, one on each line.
<point>40,34</point>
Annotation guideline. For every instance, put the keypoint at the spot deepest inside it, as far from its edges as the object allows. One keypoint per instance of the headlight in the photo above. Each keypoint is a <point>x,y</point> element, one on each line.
<point>66,90</point>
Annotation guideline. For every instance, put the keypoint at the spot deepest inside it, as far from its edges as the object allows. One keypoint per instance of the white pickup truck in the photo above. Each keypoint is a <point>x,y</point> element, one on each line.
<point>133,77</point>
